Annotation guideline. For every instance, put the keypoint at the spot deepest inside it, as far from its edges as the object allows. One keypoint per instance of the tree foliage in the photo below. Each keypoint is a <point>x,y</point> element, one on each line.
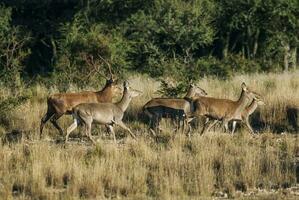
<point>71,41</point>
<point>13,50</point>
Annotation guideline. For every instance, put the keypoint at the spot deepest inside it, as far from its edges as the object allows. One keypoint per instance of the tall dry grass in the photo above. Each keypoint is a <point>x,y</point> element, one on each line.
<point>170,166</point>
<point>174,168</point>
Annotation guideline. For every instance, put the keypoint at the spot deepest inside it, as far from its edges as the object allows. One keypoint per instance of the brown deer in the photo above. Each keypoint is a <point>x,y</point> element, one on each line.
<point>63,103</point>
<point>223,110</point>
<point>174,108</point>
<point>108,114</point>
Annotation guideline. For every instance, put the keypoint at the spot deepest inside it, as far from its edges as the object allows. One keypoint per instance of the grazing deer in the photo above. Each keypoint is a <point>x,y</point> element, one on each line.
<point>223,110</point>
<point>107,114</point>
<point>247,112</point>
<point>174,108</point>
<point>63,103</point>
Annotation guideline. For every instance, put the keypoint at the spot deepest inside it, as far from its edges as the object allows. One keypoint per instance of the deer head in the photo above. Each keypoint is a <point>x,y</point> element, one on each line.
<point>197,90</point>
<point>132,92</point>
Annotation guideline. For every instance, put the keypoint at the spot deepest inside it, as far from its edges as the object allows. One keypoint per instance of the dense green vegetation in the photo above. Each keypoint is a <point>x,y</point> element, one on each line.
<point>59,42</point>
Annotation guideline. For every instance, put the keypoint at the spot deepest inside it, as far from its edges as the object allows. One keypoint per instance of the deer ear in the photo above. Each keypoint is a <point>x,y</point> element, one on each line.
<point>115,81</point>
<point>126,84</point>
<point>244,87</point>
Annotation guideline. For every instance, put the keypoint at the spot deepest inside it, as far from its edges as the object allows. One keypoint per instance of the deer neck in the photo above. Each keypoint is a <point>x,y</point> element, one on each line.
<point>242,102</point>
<point>252,107</point>
<point>189,94</point>
<point>106,93</point>
<point>125,101</point>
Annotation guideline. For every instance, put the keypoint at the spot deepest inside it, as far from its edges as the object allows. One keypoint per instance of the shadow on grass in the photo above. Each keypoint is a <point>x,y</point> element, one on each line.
<point>15,136</point>
<point>289,124</point>
<point>292,117</point>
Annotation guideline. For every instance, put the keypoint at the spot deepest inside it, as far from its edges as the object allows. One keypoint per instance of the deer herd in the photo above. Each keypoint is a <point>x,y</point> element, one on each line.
<point>97,107</point>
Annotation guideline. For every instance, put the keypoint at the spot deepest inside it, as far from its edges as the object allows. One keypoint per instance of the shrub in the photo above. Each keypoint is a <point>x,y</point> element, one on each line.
<point>13,49</point>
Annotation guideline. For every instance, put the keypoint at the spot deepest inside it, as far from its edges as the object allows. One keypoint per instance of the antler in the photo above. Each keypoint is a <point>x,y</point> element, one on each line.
<point>91,62</point>
<point>108,64</point>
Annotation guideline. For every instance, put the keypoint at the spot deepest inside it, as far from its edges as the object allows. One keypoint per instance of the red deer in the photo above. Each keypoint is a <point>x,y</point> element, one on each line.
<point>247,112</point>
<point>174,108</point>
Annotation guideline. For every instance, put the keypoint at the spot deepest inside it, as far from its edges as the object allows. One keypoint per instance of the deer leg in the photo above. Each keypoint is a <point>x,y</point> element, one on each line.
<point>249,126</point>
<point>72,127</point>
<point>110,127</point>
<point>189,128</point>
<point>176,123</point>
<point>212,124</point>
<point>204,126</point>
<point>188,122</point>
<point>44,120</point>
<point>122,125</point>
<point>184,121</point>
<point>88,131</point>
<point>152,125</point>
<point>179,120</point>
<point>234,127</point>
<point>155,124</point>
<point>152,121</point>
<point>107,129</point>
<point>54,122</point>
<point>225,124</point>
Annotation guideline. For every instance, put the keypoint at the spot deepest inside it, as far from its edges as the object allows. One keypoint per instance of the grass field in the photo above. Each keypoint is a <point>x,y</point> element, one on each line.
<point>170,166</point>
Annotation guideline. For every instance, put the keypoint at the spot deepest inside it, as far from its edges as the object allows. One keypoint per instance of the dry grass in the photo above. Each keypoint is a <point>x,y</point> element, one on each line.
<point>163,169</point>
<point>170,166</point>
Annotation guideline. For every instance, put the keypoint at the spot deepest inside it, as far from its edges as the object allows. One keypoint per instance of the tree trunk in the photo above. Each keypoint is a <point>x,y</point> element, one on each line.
<point>255,45</point>
<point>243,51</point>
<point>248,42</point>
<point>248,50</point>
<point>293,57</point>
<point>234,43</point>
<point>286,56</point>
<point>54,52</point>
<point>225,46</point>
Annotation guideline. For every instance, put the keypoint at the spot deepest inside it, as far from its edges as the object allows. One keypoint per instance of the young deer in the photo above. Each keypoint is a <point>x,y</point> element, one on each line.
<point>103,113</point>
<point>223,110</point>
<point>174,108</point>
<point>247,112</point>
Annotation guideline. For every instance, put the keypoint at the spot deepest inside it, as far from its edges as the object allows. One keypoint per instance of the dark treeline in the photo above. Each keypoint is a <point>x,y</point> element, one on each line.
<point>64,41</point>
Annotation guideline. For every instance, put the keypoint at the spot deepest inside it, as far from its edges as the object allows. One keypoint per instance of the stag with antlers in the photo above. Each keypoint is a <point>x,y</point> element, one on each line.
<point>63,103</point>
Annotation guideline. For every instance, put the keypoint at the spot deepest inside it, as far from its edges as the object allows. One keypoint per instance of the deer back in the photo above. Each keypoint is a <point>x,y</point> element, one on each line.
<point>213,107</point>
<point>64,102</point>
<point>174,103</point>
<point>103,113</point>
<point>224,108</point>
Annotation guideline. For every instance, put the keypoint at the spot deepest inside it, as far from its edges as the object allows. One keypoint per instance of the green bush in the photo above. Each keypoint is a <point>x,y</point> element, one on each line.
<point>13,49</point>
<point>165,37</point>
<point>85,50</point>
<point>169,90</point>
